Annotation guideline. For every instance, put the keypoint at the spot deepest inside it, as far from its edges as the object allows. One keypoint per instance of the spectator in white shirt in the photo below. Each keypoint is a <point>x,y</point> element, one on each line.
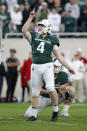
<point>78,77</point>
<point>79,52</point>
<point>10,4</point>
<point>16,17</point>
<point>55,20</point>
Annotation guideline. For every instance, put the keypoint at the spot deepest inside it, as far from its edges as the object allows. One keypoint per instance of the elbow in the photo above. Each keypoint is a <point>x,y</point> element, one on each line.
<point>23,30</point>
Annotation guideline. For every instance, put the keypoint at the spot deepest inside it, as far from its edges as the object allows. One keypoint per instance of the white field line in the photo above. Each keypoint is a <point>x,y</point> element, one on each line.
<point>11,118</point>
<point>40,121</point>
<point>58,123</point>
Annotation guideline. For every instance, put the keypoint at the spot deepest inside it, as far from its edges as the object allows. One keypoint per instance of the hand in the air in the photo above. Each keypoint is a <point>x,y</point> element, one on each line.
<point>32,14</point>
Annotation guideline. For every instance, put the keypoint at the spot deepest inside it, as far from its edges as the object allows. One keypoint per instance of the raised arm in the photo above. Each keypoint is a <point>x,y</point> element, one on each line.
<point>61,59</point>
<point>26,26</point>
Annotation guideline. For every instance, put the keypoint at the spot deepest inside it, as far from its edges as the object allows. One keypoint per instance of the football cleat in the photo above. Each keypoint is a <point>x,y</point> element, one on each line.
<point>54,116</point>
<point>65,114</point>
<point>32,118</point>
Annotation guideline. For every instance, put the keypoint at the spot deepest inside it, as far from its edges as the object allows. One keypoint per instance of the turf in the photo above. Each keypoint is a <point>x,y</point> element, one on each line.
<point>11,119</point>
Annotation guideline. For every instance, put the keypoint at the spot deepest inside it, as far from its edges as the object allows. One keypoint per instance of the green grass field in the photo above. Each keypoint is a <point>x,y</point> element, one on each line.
<point>11,119</point>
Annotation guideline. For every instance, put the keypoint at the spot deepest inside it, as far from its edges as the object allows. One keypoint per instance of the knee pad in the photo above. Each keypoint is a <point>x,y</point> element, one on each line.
<point>35,91</point>
<point>50,89</point>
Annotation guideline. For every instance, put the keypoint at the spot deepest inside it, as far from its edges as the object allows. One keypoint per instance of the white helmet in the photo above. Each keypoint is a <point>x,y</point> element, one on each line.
<point>47,26</point>
<point>58,65</point>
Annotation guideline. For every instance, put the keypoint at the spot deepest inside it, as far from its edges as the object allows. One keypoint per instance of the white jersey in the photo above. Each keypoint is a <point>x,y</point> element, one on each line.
<point>79,69</point>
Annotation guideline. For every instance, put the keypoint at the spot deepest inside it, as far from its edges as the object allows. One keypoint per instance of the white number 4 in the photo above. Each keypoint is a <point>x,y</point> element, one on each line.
<point>41,47</point>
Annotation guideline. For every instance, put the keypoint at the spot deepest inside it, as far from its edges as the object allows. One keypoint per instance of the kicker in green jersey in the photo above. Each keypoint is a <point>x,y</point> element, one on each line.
<point>42,47</point>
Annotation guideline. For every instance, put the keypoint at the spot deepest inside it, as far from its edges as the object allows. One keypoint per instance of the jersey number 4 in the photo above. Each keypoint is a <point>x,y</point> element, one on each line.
<point>41,47</point>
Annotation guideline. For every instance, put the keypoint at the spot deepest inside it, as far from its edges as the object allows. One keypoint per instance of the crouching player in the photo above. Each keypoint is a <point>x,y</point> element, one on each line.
<point>65,92</point>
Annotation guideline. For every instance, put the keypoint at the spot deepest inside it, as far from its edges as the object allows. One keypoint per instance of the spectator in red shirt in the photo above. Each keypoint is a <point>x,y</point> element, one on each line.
<point>25,72</point>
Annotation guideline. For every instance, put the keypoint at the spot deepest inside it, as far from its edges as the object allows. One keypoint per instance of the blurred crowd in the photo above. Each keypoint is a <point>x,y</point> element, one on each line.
<point>13,71</point>
<point>64,15</point>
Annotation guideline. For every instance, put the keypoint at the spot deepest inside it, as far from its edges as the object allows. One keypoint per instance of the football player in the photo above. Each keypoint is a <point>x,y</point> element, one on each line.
<point>43,44</point>
<point>65,92</point>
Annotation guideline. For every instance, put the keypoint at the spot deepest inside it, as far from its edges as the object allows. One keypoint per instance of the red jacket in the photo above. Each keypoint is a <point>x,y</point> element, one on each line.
<point>25,71</point>
<point>83,59</point>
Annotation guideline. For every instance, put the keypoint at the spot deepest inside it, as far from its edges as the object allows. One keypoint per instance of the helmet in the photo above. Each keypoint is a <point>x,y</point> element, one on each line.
<point>58,66</point>
<point>47,26</point>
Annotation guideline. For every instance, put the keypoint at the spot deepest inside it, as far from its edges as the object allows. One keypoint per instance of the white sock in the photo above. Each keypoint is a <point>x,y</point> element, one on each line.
<point>34,112</point>
<point>55,108</point>
<point>65,108</point>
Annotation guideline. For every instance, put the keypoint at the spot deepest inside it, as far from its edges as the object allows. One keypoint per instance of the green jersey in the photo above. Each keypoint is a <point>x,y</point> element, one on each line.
<point>42,47</point>
<point>60,80</point>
